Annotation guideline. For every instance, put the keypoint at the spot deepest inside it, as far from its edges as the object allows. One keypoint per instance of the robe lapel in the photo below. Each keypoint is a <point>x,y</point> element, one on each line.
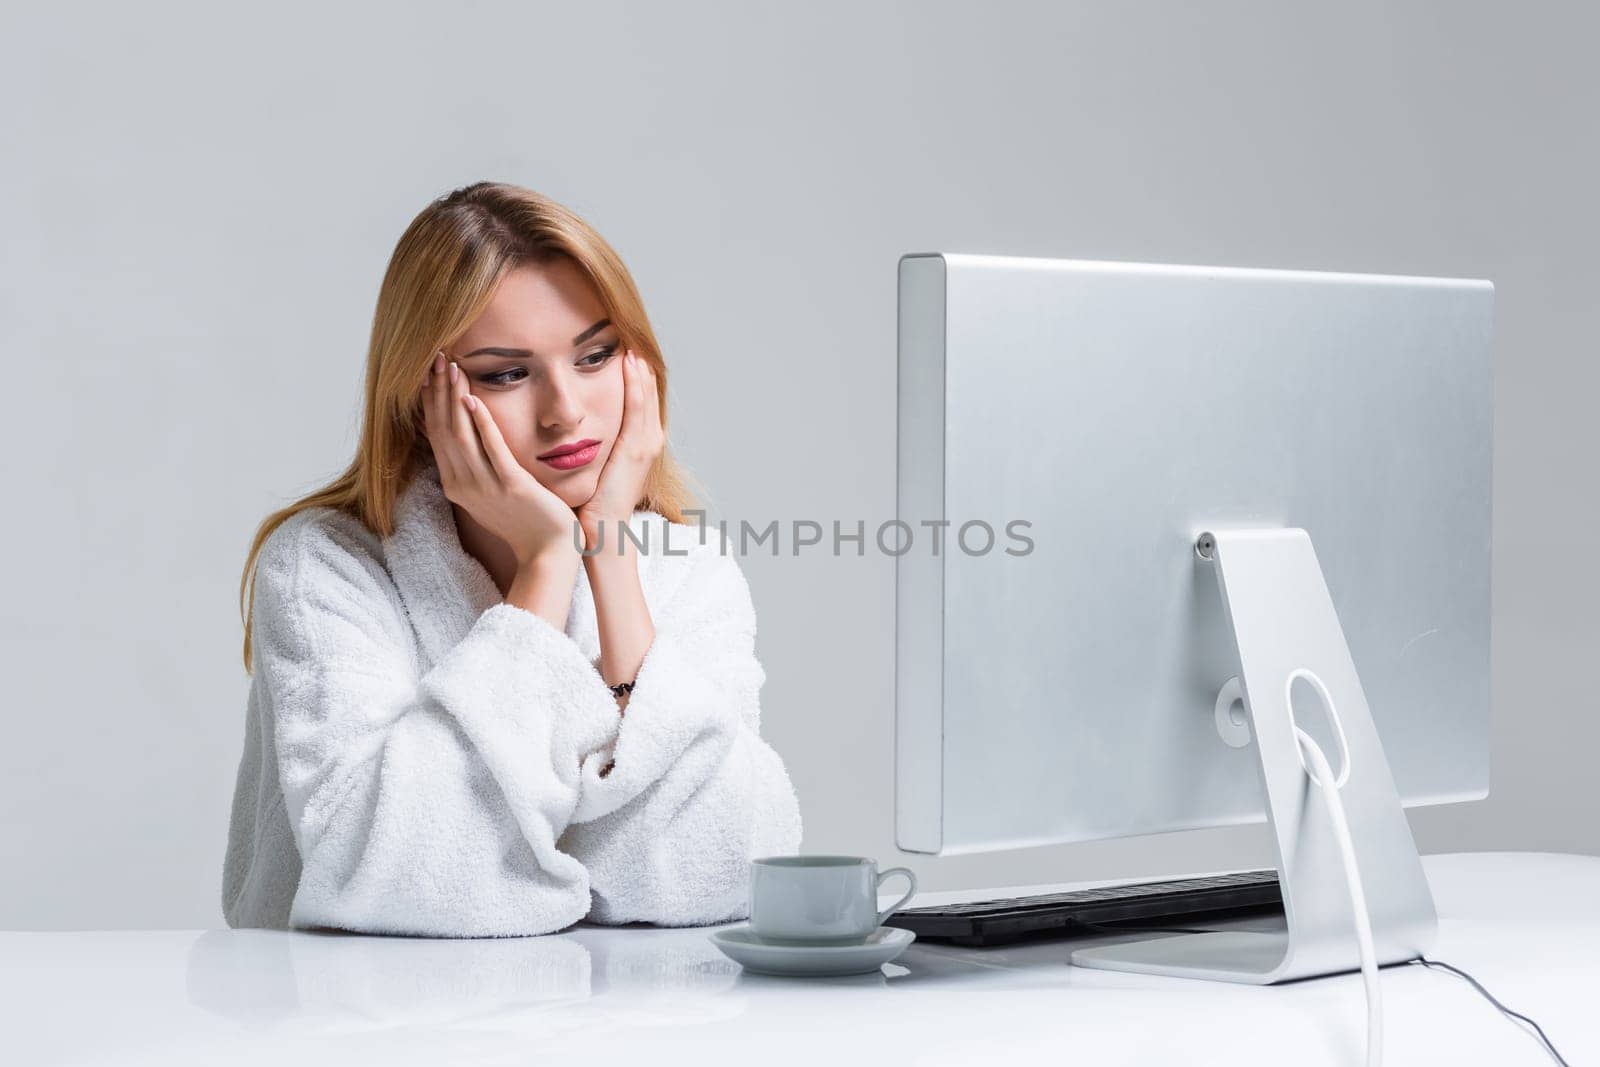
<point>444,589</point>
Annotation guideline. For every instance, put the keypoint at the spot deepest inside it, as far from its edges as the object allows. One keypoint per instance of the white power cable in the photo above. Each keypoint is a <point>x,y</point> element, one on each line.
<point>1328,784</point>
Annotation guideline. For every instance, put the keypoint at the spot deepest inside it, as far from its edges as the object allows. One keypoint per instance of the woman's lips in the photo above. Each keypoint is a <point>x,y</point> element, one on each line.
<point>570,460</point>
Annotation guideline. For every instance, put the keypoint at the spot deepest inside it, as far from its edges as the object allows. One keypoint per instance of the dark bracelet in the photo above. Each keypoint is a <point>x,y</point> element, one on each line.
<point>621,689</point>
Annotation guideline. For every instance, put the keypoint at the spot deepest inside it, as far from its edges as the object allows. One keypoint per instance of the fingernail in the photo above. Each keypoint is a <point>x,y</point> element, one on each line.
<point>455,372</point>
<point>438,361</point>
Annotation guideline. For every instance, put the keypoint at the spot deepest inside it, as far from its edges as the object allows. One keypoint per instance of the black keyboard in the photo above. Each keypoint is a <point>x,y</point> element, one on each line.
<point>1088,911</point>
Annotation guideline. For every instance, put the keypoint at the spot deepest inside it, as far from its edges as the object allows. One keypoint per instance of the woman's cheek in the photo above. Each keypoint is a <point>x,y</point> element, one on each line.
<point>511,421</point>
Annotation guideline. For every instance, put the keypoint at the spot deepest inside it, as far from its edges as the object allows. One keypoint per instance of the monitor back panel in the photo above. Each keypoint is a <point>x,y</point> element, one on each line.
<point>1057,683</point>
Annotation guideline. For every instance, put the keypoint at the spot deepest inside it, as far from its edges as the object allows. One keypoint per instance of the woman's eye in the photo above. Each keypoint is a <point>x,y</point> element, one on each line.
<point>516,374</point>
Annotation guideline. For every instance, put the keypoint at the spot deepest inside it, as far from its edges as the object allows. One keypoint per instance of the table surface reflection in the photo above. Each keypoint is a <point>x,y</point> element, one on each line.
<point>1524,923</point>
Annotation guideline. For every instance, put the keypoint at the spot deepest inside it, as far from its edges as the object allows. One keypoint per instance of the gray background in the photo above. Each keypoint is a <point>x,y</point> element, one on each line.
<point>198,206</point>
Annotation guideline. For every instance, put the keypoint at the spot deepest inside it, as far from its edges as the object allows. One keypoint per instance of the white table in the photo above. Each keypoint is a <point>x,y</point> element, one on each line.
<point>1526,924</point>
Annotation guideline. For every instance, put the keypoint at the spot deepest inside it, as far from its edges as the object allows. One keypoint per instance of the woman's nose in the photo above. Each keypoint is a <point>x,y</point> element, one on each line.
<point>558,407</point>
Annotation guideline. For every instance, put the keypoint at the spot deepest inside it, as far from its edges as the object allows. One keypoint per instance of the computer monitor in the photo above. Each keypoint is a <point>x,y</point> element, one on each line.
<point>1242,490</point>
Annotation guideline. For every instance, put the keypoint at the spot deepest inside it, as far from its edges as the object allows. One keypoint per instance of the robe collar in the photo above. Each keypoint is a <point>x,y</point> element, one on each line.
<point>443,586</point>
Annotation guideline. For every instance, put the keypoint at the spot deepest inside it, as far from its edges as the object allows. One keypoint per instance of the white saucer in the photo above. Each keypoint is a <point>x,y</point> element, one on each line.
<point>766,957</point>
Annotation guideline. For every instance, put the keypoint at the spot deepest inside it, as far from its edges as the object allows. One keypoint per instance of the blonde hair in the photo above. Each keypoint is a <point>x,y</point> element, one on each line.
<point>441,276</point>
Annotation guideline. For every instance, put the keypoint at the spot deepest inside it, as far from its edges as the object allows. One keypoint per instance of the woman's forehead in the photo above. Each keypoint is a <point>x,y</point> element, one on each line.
<point>543,309</point>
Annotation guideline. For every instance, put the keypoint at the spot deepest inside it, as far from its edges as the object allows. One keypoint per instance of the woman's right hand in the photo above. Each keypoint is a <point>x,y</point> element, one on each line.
<point>478,471</point>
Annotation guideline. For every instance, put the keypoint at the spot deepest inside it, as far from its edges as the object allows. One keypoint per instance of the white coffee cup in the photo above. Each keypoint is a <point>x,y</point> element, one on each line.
<point>819,899</point>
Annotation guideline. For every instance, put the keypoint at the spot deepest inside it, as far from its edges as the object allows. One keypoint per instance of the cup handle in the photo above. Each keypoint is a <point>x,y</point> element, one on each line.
<point>897,905</point>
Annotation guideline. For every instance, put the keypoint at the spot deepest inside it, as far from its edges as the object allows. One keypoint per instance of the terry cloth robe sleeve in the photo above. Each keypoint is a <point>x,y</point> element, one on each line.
<point>420,804</point>
<point>694,793</point>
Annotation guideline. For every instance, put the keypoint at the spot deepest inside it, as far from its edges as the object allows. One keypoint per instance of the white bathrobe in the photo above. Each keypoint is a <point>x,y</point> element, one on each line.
<point>422,758</point>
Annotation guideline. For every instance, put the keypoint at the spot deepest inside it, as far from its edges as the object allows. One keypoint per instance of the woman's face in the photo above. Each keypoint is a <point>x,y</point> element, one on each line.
<point>547,363</point>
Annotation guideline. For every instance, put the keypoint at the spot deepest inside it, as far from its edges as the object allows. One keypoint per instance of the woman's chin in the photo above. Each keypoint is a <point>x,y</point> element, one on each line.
<point>574,492</point>
<point>574,488</point>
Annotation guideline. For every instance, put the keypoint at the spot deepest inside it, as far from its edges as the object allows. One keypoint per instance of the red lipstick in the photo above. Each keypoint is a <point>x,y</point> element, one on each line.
<point>570,456</point>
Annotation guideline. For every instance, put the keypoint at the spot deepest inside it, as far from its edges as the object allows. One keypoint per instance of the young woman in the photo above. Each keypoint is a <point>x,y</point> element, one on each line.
<point>460,722</point>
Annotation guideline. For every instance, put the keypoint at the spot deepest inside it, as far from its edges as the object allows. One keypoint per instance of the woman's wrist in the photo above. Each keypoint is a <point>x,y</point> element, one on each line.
<point>597,524</point>
<point>555,552</point>
<point>543,585</point>
<point>616,550</point>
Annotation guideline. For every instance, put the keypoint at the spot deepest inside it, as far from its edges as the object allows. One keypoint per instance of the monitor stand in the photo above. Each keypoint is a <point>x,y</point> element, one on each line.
<point>1274,593</point>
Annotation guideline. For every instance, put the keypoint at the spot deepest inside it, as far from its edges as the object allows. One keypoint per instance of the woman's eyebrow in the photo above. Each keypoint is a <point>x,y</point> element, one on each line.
<point>523,353</point>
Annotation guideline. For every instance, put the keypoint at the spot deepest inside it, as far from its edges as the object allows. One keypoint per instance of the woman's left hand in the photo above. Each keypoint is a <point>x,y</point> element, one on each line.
<point>639,443</point>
